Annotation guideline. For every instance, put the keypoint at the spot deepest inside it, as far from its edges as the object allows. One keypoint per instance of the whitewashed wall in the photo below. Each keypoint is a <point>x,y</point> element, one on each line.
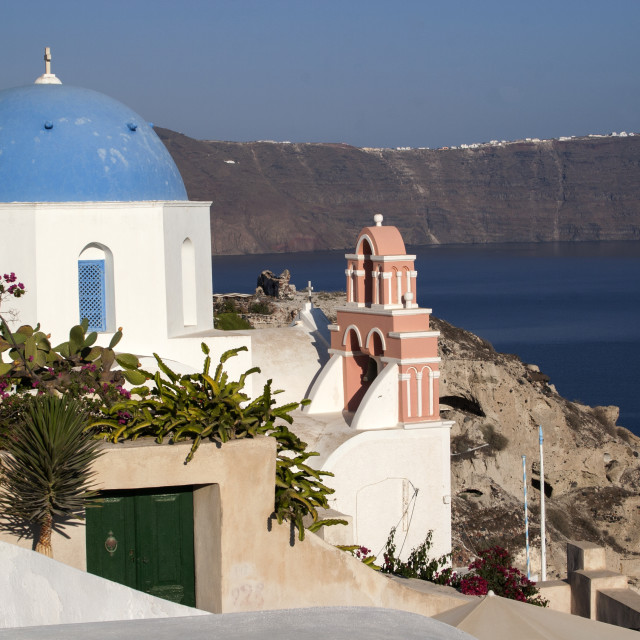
<point>376,473</point>
<point>42,243</point>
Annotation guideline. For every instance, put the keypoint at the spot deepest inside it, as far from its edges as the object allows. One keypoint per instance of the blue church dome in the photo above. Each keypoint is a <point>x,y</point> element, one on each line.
<point>60,143</point>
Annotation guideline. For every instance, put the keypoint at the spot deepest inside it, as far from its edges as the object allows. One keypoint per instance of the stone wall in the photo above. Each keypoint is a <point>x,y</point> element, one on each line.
<point>591,590</point>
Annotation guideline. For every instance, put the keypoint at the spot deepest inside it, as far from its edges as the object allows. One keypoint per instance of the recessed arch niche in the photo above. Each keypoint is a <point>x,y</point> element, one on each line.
<point>188,270</point>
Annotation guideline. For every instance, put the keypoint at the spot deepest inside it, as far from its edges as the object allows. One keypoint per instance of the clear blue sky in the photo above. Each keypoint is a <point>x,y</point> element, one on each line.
<point>367,72</point>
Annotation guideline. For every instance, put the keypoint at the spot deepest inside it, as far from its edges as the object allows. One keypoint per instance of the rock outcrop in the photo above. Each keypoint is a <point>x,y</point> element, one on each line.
<point>272,197</point>
<point>592,466</point>
<point>275,286</point>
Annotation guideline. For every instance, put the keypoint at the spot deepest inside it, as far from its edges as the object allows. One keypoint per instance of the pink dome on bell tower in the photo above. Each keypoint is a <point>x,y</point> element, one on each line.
<point>381,240</point>
<point>380,273</point>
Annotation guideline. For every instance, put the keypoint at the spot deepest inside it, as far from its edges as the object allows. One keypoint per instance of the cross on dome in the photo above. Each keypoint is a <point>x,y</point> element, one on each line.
<point>47,77</point>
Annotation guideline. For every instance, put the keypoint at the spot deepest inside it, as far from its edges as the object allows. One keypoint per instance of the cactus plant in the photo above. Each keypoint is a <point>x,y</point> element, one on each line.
<point>33,362</point>
<point>210,406</point>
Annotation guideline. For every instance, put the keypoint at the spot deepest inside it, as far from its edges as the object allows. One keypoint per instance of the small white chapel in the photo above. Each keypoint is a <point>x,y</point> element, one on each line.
<point>97,224</point>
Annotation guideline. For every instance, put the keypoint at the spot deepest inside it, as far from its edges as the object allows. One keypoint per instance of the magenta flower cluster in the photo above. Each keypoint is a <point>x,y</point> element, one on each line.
<point>123,392</point>
<point>4,385</point>
<point>474,585</point>
<point>9,285</point>
<point>493,570</point>
<point>362,553</point>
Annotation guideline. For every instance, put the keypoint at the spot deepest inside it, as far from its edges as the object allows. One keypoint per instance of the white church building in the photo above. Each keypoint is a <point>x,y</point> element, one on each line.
<point>96,223</point>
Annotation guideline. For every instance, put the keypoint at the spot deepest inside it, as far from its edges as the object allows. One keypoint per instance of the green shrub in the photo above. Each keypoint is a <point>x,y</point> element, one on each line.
<point>559,519</point>
<point>204,406</point>
<point>77,367</point>
<point>462,448</point>
<point>261,308</point>
<point>229,306</point>
<point>496,441</point>
<point>230,322</point>
<point>623,434</point>
<point>602,416</point>
<point>492,570</point>
<point>573,417</point>
<point>418,564</point>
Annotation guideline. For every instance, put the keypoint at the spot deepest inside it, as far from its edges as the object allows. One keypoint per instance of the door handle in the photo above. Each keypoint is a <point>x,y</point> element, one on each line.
<point>111,544</point>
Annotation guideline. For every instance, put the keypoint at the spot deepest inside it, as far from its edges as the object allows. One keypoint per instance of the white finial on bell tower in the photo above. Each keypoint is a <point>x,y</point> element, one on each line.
<point>47,77</point>
<point>378,219</point>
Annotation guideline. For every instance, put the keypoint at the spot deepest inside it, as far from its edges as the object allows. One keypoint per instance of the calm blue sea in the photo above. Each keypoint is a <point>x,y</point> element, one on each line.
<point>571,308</point>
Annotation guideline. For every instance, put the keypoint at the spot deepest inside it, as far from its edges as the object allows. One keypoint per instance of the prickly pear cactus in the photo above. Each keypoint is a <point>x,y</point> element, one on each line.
<point>29,361</point>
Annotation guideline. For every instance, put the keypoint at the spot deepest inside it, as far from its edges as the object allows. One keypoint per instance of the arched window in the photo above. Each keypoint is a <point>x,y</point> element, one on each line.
<point>356,369</point>
<point>372,371</point>
<point>375,342</point>
<point>189,299</point>
<point>427,382</point>
<point>352,339</point>
<point>95,287</point>
<point>368,269</point>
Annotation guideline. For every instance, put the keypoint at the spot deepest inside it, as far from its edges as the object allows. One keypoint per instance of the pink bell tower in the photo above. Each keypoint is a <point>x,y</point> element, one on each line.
<point>376,402</point>
<point>384,365</point>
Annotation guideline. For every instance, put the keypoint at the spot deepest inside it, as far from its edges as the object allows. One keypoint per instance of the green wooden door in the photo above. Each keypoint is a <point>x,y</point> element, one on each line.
<point>144,539</point>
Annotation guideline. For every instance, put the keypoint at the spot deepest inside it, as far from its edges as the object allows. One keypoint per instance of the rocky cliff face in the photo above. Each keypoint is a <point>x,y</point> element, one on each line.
<point>592,467</point>
<point>271,197</point>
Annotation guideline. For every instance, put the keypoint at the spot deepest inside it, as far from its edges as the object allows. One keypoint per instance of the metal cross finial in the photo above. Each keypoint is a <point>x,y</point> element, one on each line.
<point>309,290</point>
<point>47,60</point>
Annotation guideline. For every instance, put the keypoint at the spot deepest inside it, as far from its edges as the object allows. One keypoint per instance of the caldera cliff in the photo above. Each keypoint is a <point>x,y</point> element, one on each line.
<point>280,197</point>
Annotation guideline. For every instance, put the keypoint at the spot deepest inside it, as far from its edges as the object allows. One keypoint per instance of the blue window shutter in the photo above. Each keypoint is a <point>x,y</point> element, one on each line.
<point>92,293</point>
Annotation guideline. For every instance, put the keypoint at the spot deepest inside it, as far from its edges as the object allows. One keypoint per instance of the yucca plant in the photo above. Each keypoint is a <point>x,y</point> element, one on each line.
<point>46,473</point>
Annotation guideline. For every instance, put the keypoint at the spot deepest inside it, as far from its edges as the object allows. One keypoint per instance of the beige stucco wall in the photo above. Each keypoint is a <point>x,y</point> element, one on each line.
<point>244,562</point>
<point>557,593</point>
